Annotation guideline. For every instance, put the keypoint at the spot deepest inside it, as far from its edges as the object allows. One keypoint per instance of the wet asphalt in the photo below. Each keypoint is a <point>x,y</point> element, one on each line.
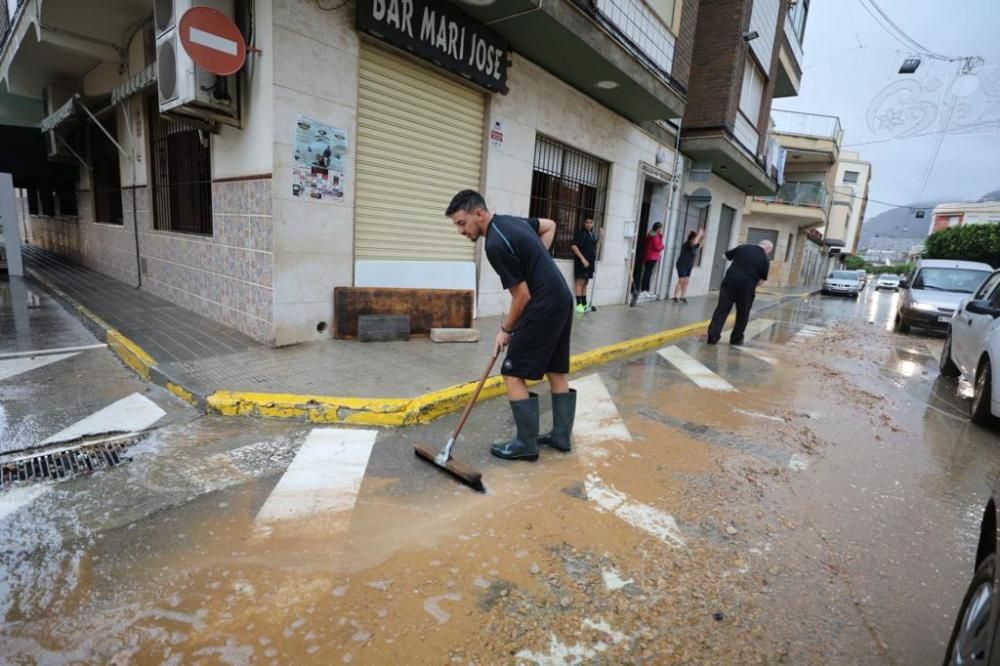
<point>824,510</point>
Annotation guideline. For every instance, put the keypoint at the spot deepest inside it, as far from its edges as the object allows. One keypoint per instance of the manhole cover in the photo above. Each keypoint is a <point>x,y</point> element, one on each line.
<point>65,462</point>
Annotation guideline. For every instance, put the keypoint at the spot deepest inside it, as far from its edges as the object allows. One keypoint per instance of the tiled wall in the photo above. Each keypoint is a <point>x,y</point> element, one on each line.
<point>228,276</point>
<point>105,248</point>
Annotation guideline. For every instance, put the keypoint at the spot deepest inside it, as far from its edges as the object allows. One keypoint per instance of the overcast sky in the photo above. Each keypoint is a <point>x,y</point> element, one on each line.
<point>850,71</point>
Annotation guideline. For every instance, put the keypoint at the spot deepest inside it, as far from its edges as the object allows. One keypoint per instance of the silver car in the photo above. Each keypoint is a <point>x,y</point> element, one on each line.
<point>847,283</point>
<point>929,297</point>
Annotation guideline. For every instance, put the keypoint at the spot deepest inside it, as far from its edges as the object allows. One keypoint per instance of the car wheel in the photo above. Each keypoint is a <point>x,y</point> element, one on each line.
<point>972,636</point>
<point>946,364</point>
<point>981,411</point>
<point>902,326</point>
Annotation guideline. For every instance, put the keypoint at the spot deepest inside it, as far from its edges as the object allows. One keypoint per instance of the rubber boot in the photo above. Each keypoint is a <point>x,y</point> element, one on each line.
<point>524,446</point>
<point>563,415</point>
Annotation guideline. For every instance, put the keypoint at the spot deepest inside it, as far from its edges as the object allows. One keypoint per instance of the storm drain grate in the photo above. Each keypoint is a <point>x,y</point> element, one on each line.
<point>66,462</point>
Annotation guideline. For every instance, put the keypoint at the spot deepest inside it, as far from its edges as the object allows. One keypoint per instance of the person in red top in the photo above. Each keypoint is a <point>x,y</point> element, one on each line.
<point>650,255</point>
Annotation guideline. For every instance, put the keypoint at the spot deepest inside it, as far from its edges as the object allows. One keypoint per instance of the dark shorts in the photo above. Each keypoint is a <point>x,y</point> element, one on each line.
<point>684,270</point>
<point>540,345</point>
<point>582,273</point>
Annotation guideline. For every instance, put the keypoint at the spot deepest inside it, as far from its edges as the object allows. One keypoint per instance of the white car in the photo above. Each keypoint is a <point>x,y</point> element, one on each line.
<point>886,281</point>
<point>973,347</point>
<point>842,282</point>
<point>931,295</point>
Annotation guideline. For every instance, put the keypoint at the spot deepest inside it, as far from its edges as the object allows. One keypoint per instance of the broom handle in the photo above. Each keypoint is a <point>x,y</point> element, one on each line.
<point>475,394</point>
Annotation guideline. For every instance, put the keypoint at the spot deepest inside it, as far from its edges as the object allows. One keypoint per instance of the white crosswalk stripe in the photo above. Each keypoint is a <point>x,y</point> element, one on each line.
<point>324,477</point>
<point>601,423</point>
<point>807,332</point>
<point>130,414</point>
<point>756,353</point>
<point>11,367</point>
<point>758,327</point>
<point>695,370</point>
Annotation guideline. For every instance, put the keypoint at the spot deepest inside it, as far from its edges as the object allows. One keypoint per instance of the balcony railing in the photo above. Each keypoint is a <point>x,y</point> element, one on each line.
<point>813,195</point>
<point>8,11</point>
<point>642,28</point>
<point>808,124</point>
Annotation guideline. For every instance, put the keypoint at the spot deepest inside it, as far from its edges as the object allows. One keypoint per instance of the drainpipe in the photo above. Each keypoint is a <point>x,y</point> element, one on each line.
<point>673,219</point>
<point>135,212</point>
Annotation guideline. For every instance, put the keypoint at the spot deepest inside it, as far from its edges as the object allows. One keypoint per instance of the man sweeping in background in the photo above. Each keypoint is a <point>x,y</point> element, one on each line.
<point>536,330</point>
<point>739,287</point>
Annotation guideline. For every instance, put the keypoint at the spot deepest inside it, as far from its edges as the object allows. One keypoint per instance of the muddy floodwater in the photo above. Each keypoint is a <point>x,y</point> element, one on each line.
<point>812,498</point>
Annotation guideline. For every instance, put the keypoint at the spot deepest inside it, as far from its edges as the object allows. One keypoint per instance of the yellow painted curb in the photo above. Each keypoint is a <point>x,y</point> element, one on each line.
<point>394,412</point>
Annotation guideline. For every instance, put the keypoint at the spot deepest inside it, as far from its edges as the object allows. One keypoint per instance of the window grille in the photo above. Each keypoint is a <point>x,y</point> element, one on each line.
<point>567,186</point>
<point>181,171</point>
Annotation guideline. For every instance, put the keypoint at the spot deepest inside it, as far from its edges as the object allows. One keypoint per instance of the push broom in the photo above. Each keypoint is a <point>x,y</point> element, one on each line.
<point>443,459</point>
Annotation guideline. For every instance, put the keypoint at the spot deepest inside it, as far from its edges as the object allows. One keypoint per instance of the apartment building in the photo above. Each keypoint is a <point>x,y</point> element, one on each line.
<point>747,53</point>
<point>816,214</point>
<point>327,160</point>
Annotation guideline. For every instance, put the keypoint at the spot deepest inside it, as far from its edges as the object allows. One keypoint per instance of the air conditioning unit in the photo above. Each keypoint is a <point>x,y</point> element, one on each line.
<point>186,90</point>
<point>54,98</point>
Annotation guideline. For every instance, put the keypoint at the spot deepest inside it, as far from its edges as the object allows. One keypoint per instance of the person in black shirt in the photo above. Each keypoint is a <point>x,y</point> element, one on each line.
<point>584,250</point>
<point>536,330</point>
<point>685,264</point>
<point>739,286</point>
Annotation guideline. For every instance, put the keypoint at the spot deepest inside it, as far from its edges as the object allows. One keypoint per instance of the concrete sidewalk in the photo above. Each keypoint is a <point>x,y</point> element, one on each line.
<point>334,381</point>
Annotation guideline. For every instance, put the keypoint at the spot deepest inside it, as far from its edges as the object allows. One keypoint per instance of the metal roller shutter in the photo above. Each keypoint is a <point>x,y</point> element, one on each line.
<point>756,235</point>
<point>420,140</point>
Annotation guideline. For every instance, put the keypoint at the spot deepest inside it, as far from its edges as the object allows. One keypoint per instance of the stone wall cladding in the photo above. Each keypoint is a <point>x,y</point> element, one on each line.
<point>228,276</point>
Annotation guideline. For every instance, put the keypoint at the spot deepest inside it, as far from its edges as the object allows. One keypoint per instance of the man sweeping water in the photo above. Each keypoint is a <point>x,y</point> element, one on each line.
<point>536,330</point>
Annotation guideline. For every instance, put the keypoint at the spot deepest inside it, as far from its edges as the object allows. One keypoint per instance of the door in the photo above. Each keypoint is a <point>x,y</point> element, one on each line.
<point>640,238</point>
<point>722,241</point>
<point>969,330</point>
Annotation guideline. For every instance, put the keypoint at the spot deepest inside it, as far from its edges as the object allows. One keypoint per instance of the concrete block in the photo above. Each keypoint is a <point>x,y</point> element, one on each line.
<point>383,328</point>
<point>454,335</point>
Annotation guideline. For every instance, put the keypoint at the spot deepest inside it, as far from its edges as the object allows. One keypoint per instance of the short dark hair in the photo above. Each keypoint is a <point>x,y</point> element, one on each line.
<point>466,200</point>
<point>657,225</point>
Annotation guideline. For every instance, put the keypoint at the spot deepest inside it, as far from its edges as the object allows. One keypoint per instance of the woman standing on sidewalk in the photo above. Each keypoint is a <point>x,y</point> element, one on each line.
<point>650,255</point>
<point>685,264</point>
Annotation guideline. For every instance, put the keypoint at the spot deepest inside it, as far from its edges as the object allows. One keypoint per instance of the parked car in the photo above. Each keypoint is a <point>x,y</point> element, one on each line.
<point>932,293</point>
<point>973,346</point>
<point>972,638</point>
<point>842,282</point>
<point>887,281</point>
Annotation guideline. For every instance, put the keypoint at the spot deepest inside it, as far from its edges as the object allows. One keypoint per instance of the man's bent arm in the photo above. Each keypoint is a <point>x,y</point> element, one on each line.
<point>520,297</point>
<point>547,231</point>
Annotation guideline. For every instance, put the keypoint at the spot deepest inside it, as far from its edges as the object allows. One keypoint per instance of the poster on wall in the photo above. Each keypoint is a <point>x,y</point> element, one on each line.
<point>318,167</point>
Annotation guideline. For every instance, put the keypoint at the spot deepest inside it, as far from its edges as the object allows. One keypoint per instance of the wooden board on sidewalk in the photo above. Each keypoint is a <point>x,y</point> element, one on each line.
<point>427,308</point>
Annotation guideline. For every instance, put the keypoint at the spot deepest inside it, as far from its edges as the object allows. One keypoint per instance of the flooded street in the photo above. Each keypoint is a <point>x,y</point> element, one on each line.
<point>813,497</point>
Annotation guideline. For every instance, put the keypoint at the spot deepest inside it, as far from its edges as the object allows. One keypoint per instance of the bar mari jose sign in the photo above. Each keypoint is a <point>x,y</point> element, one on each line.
<point>442,34</point>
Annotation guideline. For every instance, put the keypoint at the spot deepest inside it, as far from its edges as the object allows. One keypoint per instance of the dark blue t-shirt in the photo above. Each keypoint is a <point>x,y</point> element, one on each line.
<point>516,253</point>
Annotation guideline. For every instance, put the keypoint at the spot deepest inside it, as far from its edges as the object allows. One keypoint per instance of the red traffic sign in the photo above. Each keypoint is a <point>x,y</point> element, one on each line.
<point>213,41</point>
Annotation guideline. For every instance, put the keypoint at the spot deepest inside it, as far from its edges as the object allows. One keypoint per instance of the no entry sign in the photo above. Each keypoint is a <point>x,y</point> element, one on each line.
<point>213,41</point>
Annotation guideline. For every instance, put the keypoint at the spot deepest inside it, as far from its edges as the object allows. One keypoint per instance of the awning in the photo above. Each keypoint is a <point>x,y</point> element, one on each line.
<point>135,84</point>
<point>59,116</point>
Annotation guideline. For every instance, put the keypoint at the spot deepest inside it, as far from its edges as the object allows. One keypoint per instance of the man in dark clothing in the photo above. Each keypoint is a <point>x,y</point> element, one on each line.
<point>536,330</point>
<point>584,250</point>
<point>739,287</point>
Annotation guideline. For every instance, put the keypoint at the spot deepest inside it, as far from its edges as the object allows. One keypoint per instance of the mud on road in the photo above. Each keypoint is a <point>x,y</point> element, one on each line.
<point>823,512</point>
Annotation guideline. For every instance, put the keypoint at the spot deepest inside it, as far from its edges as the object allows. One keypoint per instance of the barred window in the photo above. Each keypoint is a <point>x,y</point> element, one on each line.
<point>181,170</point>
<point>105,177</point>
<point>567,186</point>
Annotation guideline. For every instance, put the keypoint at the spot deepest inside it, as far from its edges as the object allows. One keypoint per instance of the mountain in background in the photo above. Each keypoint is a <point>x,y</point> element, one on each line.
<point>901,228</point>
